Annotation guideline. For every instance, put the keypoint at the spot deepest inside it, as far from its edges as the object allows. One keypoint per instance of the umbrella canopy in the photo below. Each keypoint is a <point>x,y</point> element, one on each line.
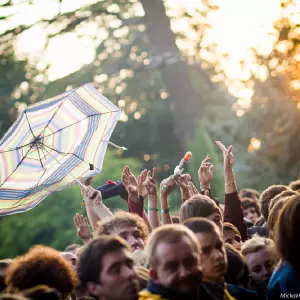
<point>52,145</point>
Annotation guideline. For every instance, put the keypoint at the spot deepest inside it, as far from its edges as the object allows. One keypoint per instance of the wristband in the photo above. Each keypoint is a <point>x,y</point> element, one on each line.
<point>165,211</point>
<point>153,209</point>
<point>230,183</point>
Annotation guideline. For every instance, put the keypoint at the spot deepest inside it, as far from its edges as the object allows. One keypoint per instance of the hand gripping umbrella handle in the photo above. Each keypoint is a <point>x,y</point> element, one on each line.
<point>179,169</point>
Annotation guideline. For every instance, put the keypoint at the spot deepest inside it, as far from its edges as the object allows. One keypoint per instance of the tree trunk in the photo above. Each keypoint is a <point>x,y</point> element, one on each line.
<point>184,100</point>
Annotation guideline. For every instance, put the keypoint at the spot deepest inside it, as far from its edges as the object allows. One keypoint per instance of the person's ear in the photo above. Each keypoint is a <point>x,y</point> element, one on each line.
<point>93,288</point>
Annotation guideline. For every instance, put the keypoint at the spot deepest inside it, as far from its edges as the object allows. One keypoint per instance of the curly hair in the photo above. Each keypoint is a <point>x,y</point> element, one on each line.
<point>122,218</point>
<point>249,193</point>
<point>295,185</point>
<point>41,265</point>
<point>274,213</point>
<point>229,226</point>
<point>280,196</point>
<point>267,195</point>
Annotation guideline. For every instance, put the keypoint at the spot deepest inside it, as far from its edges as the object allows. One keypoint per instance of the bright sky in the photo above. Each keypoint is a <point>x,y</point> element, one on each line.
<point>237,26</point>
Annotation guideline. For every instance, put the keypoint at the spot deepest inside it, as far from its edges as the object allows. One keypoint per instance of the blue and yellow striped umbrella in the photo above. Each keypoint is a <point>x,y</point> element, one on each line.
<point>52,145</point>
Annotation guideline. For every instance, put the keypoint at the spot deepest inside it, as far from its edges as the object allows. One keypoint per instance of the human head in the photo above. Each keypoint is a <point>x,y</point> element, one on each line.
<point>175,219</point>
<point>261,259</point>
<point>286,235</point>
<point>70,257</point>
<point>232,236</point>
<point>274,214</point>
<point>295,185</point>
<point>213,257</point>
<point>251,209</point>
<point>201,206</point>
<point>105,269</point>
<point>4,264</point>
<point>235,273</point>
<point>41,292</point>
<point>249,193</point>
<point>283,194</point>
<point>131,227</point>
<point>174,258</point>
<point>72,248</point>
<point>41,266</point>
<point>267,195</point>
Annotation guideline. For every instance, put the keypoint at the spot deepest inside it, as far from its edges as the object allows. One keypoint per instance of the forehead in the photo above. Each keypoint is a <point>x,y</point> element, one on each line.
<point>209,238</point>
<point>166,252</point>
<point>117,230</point>
<point>259,257</point>
<point>117,256</point>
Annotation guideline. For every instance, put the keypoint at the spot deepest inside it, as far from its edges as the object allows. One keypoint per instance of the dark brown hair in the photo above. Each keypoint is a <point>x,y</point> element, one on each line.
<point>90,261</point>
<point>248,203</point>
<point>267,195</point>
<point>286,235</point>
<point>274,212</point>
<point>122,218</point>
<point>249,193</point>
<point>230,226</point>
<point>295,185</point>
<point>198,206</point>
<point>41,266</point>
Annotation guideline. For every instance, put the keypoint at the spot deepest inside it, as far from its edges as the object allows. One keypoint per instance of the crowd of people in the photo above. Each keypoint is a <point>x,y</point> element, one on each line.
<point>246,248</point>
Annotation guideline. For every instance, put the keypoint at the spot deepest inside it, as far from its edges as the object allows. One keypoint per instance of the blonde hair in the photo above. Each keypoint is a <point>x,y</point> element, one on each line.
<point>170,234</point>
<point>257,243</point>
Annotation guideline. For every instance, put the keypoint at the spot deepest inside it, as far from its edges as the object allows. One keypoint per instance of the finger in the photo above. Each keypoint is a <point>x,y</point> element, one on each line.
<point>195,191</point>
<point>144,175</point>
<point>74,219</point>
<point>86,221</point>
<point>139,179</point>
<point>221,146</point>
<point>154,175</point>
<point>206,159</point>
<point>211,168</point>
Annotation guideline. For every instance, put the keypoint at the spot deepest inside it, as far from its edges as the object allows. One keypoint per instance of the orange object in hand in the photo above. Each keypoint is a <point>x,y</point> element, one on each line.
<point>187,156</point>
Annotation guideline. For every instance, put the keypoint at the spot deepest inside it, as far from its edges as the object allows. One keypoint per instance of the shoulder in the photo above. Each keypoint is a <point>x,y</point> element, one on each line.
<point>241,293</point>
<point>146,295</point>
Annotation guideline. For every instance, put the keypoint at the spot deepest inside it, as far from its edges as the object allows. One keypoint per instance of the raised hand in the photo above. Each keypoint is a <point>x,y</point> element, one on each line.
<point>167,186</point>
<point>143,191</point>
<point>91,196</point>
<point>192,189</point>
<point>205,173</point>
<point>227,154</point>
<point>150,182</point>
<point>130,184</point>
<point>82,227</point>
<point>183,182</point>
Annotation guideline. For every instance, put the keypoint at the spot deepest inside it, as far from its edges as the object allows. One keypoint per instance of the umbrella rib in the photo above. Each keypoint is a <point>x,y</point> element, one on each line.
<point>66,153</point>
<point>16,167</point>
<point>29,124</point>
<point>17,148</point>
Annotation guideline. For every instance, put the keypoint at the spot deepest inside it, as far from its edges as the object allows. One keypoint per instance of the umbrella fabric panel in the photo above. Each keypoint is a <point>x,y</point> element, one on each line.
<point>53,144</point>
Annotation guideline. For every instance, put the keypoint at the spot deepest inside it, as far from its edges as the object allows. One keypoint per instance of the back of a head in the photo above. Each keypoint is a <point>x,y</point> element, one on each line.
<point>275,211</point>
<point>170,234</point>
<point>200,225</point>
<point>229,226</point>
<point>236,265</point>
<point>249,193</point>
<point>287,236</point>
<point>267,195</point>
<point>295,185</point>
<point>42,292</point>
<point>41,266</point>
<point>90,260</point>
<point>72,248</point>
<point>283,194</point>
<point>198,206</point>
<point>122,218</point>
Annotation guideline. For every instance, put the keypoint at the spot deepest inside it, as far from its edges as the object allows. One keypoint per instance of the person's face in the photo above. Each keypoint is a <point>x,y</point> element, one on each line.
<point>261,265</point>
<point>217,219</point>
<point>214,259</point>
<point>70,257</point>
<point>178,266</point>
<point>251,214</point>
<point>118,279</point>
<point>131,235</point>
<point>231,238</point>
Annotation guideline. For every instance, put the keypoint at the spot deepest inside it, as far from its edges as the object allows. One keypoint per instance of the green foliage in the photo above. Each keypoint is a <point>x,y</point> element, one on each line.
<point>51,222</point>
